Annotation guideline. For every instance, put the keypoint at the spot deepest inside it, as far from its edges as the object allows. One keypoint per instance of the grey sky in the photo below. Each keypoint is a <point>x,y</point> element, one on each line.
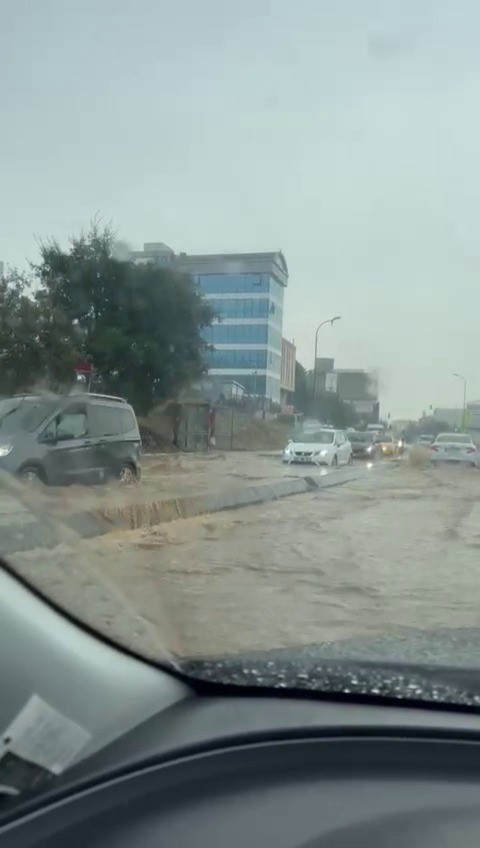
<point>345,133</point>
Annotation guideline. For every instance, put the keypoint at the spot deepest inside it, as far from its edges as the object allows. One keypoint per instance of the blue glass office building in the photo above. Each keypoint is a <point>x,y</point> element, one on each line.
<point>246,293</point>
<point>245,290</point>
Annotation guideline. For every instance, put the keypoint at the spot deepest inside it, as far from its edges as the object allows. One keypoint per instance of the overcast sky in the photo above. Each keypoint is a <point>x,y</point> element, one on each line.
<point>345,133</point>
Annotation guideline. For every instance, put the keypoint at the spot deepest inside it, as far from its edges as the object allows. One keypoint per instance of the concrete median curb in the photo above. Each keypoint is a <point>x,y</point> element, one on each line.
<point>25,525</point>
<point>147,513</point>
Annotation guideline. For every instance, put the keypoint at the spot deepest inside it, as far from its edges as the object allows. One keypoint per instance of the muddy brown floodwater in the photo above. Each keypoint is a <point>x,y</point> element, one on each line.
<point>398,547</point>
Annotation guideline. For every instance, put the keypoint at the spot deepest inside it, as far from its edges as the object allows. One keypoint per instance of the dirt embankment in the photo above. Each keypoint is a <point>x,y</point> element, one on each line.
<point>235,431</point>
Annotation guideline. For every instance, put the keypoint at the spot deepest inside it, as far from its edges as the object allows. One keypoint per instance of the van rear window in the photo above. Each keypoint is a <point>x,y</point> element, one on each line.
<point>108,420</point>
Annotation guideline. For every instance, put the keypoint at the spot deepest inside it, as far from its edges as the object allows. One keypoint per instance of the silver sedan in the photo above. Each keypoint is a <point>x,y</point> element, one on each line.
<point>455,447</point>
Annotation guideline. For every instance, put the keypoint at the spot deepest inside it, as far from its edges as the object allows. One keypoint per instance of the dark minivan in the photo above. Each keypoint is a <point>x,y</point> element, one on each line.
<point>76,438</point>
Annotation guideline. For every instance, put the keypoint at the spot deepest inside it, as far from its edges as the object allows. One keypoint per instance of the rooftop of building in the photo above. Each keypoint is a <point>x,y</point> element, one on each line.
<point>351,371</point>
<point>273,262</point>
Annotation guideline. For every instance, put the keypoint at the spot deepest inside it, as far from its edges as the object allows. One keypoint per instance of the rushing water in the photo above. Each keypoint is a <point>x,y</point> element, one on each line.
<point>392,550</point>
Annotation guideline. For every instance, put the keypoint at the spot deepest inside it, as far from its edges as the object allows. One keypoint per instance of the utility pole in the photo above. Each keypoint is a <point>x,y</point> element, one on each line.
<point>322,324</point>
<point>464,410</point>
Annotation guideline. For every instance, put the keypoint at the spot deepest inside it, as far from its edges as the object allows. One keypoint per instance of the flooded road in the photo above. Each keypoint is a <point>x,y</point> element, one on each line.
<point>395,549</point>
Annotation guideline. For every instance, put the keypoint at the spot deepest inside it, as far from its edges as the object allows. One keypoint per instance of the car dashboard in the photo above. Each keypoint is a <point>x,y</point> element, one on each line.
<point>279,771</point>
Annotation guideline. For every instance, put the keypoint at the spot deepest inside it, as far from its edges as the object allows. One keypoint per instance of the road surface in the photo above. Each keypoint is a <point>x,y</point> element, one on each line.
<point>396,549</point>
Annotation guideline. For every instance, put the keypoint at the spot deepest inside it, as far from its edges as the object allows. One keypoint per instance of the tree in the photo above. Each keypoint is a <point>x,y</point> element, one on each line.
<point>33,349</point>
<point>19,354</point>
<point>139,325</point>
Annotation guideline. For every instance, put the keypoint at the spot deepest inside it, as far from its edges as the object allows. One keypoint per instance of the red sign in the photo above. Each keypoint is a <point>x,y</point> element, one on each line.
<point>82,367</point>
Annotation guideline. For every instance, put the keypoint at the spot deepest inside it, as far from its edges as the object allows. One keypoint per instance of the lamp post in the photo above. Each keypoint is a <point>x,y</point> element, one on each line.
<point>255,386</point>
<point>461,377</point>
<point>322,324</point>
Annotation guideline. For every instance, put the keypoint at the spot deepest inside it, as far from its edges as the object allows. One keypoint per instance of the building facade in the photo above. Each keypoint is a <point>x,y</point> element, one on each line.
<point>453,417</point>
<point>359,389</point>
<point>154,253</point>
<point>245,291</point>
<point>287,370</point>
<point>354,386</point>
<point>325,379</point>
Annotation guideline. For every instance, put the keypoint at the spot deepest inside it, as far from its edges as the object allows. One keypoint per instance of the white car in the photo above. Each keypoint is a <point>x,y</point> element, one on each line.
<point>323,447</point>
<point>455,447</point>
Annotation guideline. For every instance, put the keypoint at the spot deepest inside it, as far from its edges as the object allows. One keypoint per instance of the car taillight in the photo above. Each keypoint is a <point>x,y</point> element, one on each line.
<point>471,450</point>
<point>433,447</point>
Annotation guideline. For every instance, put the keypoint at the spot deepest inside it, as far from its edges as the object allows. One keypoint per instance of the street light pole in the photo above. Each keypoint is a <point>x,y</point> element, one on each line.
<point>322,324</point>
<point>461,377</point>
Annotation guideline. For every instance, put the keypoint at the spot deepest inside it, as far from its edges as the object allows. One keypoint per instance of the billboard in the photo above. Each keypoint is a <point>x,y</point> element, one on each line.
<point>331,382</point>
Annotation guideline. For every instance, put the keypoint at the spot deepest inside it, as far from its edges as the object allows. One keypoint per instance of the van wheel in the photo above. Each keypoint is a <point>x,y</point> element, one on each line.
<point>127,474</point>
<point>32,475</point>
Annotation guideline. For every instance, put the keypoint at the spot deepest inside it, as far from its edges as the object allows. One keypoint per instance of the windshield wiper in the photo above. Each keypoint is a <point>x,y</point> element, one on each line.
<point>9,411</point>
<point>325,671</point>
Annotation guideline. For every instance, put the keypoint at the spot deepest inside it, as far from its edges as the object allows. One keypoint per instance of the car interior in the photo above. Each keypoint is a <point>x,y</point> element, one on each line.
<point>102,747</point>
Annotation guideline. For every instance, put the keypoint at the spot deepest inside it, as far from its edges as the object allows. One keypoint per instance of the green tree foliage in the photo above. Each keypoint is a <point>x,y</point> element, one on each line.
<point>139,325</point>
<point>34,349</point>
<point>19,351</point>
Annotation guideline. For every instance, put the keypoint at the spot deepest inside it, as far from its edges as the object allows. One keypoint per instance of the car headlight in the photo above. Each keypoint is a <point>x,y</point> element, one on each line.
<point>5,450</point>
<point>288,450</point>
<point>369,449</point>
<point>323,453</point>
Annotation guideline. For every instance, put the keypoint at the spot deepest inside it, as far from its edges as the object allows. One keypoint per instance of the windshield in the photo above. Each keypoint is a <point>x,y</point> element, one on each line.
<point>360,437</point>
<point>454,439</point>
<point>323,437</point>
<point>230,232</point>
<point>24,414</point>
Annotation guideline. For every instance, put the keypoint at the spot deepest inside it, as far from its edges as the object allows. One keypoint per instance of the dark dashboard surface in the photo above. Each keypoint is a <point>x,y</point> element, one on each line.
<point>265,771</point>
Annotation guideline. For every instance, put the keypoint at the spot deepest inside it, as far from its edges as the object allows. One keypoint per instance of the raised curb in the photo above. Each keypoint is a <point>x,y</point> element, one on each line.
<point>24,525</point>
<point>150,513</point>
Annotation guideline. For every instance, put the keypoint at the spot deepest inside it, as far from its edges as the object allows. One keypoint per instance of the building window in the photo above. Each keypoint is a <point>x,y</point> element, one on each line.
<point>244,359</point>
<point>243,334</point>
<point>240,307</point>
<point>236,334</point>
<point>231,283</point>
<point>237,359</point>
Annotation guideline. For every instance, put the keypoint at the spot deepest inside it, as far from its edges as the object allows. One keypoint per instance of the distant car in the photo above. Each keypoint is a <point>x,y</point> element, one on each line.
<point>322,447</point>
<point>455,447</point>
<point>386,444</point>
<point>425,439</point>
<point>78,438</point>
<point>363,444</point>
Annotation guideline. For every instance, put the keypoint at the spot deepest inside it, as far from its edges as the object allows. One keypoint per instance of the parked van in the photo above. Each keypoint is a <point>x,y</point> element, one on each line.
<point>78,438</point>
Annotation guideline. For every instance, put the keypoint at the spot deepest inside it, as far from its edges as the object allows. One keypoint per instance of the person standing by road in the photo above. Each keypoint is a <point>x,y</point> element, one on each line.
<point>212,416</point>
